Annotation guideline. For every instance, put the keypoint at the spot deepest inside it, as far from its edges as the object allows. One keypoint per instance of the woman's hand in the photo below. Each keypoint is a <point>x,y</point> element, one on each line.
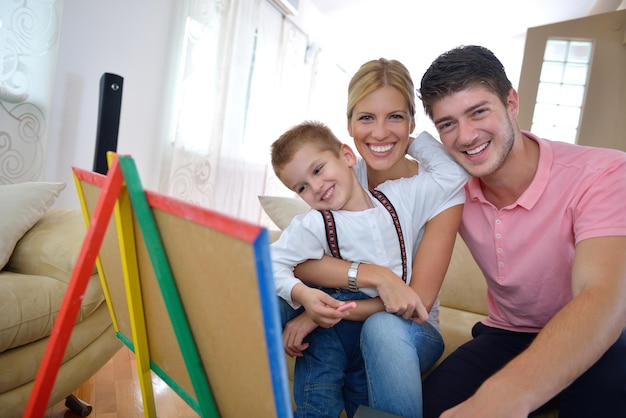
<point>402,300</point>
<point>397,296</point>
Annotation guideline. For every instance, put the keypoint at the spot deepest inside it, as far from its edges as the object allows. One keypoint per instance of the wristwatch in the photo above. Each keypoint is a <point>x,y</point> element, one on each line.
<point>352,272</point>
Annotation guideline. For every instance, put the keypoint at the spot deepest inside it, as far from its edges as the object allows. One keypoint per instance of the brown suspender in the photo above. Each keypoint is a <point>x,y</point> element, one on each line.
<point>331,232</point>
<point>394,216</point>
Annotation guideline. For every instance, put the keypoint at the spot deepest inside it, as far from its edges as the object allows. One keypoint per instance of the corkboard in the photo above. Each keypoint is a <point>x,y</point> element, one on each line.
<point>222,276</point>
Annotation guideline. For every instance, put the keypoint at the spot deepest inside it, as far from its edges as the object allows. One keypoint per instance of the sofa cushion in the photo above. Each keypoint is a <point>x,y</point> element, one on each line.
<point>51,247</point>
<point>30,304</point>
<point>17,367</point>
<point>34,281</point>
<point>23,204</point>
<point>282,209</point>
<point>464,287</point>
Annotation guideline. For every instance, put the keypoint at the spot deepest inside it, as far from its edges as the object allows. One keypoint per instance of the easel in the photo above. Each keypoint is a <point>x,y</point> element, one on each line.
<point>189,290</point>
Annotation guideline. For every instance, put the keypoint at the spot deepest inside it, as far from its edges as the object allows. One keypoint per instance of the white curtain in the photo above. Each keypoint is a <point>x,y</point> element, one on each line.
<point>29,34</point>
<point>246,75</point>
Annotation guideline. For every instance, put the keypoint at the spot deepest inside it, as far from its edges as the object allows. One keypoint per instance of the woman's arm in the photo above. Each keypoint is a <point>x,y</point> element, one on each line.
<point>429,268</point>
<point>326,272</point>
<point>333,272</point>
<point>434,159</point>
<point>434,253</point>
<point>398,298</point>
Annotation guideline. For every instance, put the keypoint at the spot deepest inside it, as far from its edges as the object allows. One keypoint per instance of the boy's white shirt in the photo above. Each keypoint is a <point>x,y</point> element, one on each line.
<point>370,236</point>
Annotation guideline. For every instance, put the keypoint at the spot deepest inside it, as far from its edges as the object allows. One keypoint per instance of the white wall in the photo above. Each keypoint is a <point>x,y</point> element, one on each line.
<point>128,38</point>
<point>134,39</point>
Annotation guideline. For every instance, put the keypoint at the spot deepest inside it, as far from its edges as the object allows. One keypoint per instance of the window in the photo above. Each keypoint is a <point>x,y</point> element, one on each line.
<point>562,87</point>
<point>233,105</point>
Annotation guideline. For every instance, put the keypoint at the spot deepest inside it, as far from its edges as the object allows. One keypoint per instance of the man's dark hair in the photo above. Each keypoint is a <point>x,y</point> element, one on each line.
<point>461,68</point>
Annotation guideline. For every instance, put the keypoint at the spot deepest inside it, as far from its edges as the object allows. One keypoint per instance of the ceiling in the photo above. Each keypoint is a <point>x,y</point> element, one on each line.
<point>416,31</point>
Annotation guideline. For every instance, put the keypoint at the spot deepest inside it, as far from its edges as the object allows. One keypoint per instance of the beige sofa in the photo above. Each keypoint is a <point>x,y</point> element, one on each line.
<point>463,294</point>
<point>32,287</point>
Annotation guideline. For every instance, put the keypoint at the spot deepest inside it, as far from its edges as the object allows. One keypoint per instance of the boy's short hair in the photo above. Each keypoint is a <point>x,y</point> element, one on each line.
<point>461,68</point>
<point>308,132</point>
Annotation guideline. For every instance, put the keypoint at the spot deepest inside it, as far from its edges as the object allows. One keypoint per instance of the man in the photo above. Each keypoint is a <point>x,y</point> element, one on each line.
<point>546,222</point>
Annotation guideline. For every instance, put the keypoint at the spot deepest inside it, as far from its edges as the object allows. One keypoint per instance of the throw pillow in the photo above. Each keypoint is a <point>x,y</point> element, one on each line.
<point>282,209</point>
<point>23,204</point>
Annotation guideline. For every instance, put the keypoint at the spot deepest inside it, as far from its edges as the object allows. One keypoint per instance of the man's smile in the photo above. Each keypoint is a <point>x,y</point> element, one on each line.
<point>478,149</point>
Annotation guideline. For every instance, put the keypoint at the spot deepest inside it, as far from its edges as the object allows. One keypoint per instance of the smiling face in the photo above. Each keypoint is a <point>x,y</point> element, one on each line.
<point>476,128</point>
<point>322,179</point>
<point>380,126</point>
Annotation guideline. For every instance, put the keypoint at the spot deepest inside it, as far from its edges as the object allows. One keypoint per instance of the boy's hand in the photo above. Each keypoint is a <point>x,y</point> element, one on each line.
<point>321,308</point>
<point>294,333</point>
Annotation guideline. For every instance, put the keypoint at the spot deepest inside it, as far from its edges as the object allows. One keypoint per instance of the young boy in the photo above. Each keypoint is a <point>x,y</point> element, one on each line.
<point>380,227</point>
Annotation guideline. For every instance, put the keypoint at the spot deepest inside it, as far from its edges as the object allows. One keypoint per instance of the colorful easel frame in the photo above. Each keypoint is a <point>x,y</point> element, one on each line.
<point>197,304</point>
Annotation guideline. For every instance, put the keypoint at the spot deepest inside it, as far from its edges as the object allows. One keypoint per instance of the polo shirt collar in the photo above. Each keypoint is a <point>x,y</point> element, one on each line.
<point>530,197</point>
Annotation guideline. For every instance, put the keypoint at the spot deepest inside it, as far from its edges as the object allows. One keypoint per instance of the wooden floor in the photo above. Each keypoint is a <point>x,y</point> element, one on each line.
<point>114,392</point>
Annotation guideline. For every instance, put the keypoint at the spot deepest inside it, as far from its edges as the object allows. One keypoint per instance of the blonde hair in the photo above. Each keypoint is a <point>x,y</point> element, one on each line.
<point>308,132</point>
<point>380,73</point>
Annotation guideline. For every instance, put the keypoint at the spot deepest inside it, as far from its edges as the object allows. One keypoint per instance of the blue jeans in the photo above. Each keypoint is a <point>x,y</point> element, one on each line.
<point>330,375</point>
<point>396,352</point>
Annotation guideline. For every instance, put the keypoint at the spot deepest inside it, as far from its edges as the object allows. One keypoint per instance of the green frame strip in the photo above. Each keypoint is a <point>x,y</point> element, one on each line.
<point>169,291</point>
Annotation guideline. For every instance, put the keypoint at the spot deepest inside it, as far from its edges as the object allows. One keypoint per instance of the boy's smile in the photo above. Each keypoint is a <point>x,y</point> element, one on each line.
<point>325,181</point>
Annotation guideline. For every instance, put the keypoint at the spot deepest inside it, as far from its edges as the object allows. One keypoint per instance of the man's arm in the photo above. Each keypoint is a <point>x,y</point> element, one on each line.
<point>571,342</point>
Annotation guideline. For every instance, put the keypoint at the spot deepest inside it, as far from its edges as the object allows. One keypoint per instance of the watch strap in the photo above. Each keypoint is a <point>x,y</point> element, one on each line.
<point>352,272</point>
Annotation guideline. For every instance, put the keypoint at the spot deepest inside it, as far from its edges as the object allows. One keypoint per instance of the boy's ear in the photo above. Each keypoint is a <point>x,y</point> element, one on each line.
<point>348,154</point>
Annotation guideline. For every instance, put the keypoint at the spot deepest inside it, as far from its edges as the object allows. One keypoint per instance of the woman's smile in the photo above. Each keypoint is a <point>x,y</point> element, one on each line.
<point>381,148</point>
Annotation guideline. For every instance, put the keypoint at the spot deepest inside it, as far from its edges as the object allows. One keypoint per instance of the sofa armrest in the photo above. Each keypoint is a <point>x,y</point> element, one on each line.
<point>51,246</point>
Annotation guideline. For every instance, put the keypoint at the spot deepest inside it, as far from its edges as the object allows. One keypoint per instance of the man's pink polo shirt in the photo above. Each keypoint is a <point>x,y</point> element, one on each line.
<point>526,250</point>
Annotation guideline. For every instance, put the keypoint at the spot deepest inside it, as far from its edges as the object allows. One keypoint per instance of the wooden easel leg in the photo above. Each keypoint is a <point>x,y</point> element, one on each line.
<point>59,338</point>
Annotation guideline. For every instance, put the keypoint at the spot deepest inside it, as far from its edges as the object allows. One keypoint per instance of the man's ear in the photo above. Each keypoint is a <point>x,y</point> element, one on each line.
<point>348,154</point>
<point>513,103</point>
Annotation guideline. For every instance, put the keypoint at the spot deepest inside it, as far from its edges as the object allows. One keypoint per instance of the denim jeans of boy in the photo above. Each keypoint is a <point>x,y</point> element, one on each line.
<point>396,352</point>
<point>330,376</point>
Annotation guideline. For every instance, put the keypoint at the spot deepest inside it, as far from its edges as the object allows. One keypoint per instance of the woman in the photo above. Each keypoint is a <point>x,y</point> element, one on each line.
<point>396,344</point>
